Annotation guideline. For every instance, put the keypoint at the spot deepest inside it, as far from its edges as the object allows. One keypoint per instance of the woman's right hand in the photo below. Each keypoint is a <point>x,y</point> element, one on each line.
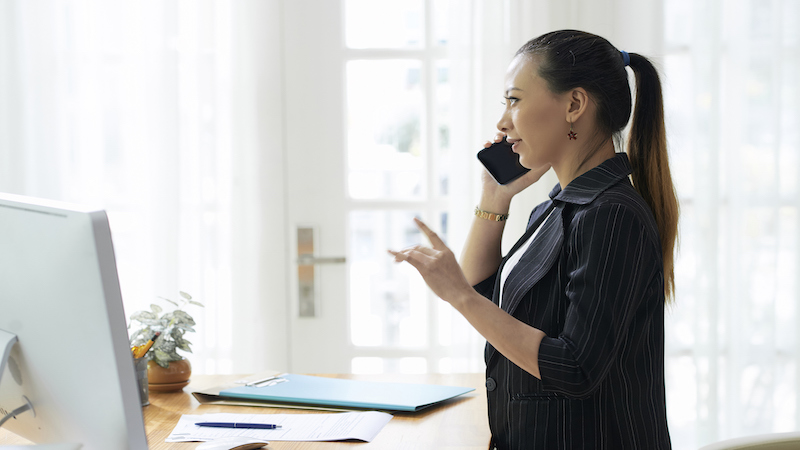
<point>481,254</point>
<point>504,192</point>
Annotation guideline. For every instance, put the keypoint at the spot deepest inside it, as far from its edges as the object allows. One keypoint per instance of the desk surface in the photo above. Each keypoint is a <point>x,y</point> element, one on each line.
<point>459,423</point>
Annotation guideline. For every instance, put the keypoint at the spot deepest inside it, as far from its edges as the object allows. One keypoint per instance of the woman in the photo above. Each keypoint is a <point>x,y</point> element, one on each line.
<point>574,315</point>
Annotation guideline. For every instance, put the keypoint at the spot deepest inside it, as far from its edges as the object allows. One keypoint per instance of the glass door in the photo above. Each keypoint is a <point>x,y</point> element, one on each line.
<point>372,116</point>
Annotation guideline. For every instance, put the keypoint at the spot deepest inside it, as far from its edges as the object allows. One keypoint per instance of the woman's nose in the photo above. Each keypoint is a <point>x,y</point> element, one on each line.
<point>504,124</point>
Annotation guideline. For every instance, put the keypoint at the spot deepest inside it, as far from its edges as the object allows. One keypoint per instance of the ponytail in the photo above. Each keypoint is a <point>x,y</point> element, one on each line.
<point>647,151</point>
<point>571,59</point>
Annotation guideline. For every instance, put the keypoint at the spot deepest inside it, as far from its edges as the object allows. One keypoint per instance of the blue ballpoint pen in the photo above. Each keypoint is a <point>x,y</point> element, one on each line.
<point>263,426</point>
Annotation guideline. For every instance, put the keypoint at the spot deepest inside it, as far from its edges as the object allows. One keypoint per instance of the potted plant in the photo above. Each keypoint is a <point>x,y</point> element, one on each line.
<point>166,369</point>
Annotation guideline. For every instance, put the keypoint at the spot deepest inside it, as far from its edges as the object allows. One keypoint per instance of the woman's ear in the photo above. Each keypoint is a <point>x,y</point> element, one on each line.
<point>577,104</point>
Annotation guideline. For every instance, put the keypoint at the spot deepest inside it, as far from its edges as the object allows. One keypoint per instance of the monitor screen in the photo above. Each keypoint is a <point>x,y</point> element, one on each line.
<point>60,297</point>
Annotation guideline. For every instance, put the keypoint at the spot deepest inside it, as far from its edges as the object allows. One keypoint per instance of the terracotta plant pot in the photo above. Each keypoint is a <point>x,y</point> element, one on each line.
<point>173,378</point>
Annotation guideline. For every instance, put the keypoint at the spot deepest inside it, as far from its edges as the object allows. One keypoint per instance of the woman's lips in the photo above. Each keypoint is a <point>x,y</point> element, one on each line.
<point>513,143</point>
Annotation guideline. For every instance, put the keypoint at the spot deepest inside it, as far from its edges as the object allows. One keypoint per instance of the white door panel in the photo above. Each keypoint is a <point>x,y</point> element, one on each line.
<point>315,172</point>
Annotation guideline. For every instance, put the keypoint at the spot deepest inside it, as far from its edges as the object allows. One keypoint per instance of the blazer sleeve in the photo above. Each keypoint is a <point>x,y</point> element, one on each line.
<point>486,287</point>
<point>612,261</point>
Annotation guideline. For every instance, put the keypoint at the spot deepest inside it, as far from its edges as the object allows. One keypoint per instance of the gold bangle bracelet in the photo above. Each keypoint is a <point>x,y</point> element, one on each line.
<point>490,215</point>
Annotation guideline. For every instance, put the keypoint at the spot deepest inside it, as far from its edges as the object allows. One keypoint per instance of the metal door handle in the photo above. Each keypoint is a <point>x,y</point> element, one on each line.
<point>308,300</point>
<point>311,260</point>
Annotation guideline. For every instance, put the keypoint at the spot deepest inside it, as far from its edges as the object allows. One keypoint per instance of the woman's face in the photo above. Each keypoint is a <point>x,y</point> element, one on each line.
<point>534,119</point>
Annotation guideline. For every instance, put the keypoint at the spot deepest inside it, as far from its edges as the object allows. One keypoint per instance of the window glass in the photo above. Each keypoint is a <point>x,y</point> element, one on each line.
<point>442,21</point>
<point>384,23</point>
<point>384,118</point>
<point>443,127</point>
<point>388,301</point>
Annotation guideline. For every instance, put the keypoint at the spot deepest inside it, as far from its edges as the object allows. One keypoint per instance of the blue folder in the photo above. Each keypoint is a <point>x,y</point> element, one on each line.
<point>335,392</point>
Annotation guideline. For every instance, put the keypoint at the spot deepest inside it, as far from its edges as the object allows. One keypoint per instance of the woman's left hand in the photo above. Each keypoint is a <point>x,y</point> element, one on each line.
<point>437,265</point>
<point>518,341</point>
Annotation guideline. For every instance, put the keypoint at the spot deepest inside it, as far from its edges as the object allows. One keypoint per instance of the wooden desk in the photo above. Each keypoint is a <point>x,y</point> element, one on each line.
<point>460,423</point>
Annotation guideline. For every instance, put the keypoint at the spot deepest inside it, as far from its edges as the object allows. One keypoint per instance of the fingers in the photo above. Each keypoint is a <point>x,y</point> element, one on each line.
<point>418,255</point>
<point>427,251</point>
<point>497,138</point>
<point>418,258</point>
<point>398,256</point>
<point>436,241</point>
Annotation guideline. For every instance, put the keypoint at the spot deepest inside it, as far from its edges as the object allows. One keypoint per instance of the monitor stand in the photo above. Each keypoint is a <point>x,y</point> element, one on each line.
<point>7,341</point>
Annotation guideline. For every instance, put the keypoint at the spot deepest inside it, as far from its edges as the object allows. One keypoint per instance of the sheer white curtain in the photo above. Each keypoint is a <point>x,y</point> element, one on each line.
<point>151,110</point>
<point>733,108</point>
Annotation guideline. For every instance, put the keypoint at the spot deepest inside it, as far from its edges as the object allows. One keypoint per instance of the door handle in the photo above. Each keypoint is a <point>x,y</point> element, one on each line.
<point>310,260</point>
<point>308,300</point>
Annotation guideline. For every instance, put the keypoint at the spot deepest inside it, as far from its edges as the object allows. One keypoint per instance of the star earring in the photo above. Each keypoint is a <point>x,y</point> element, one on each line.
<point>572,134</point>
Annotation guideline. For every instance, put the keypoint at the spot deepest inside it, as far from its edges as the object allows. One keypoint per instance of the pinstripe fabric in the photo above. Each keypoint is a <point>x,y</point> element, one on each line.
<point>592,280</point>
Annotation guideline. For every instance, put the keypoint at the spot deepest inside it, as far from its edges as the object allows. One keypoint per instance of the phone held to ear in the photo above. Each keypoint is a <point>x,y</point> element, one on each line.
<point>501,162</point>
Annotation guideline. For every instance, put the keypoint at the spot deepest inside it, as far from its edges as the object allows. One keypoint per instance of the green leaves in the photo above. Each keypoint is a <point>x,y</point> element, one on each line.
<point>172,325</point>
<point>145,317</point>
<point>162,358</point>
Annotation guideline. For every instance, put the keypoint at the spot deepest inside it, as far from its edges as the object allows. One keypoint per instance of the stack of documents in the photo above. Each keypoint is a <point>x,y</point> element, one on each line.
<point>363,426</point>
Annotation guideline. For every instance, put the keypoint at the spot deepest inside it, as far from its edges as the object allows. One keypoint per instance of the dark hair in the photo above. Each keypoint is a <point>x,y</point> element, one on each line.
<point>569,59</point>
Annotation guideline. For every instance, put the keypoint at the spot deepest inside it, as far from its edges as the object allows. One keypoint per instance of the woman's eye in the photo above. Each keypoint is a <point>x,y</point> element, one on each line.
<point>510,101</point>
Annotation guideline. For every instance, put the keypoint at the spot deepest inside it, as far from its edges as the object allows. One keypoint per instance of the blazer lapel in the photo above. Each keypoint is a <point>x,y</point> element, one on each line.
<point>528,232</point>
<point>535,263</point>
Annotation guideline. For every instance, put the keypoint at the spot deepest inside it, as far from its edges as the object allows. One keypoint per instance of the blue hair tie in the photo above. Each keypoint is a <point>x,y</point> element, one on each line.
<point>626,59</point>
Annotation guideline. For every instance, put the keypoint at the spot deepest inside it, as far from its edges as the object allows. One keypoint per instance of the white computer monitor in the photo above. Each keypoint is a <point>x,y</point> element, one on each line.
<point>60,297</point>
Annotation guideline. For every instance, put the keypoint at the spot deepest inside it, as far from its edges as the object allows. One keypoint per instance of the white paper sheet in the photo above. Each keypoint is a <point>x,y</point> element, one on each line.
<point>363,426</point>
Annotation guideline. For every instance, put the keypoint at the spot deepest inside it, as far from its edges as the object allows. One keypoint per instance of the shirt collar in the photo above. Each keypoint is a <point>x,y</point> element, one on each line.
<point>584,189</point>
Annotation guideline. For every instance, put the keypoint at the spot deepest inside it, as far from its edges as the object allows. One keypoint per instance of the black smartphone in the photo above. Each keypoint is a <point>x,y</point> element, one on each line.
<point>501,162</point>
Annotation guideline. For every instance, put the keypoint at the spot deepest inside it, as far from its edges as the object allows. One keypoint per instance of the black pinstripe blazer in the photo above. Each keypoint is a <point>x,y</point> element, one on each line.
<point>592,280</point>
